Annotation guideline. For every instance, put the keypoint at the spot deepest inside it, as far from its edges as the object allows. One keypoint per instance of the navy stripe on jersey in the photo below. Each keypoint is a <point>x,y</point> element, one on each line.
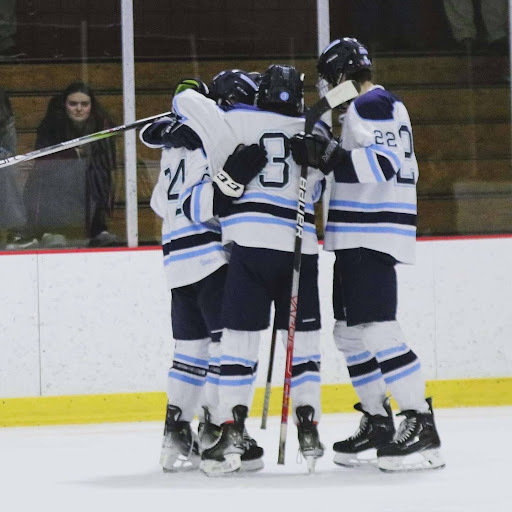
<point>386,167</point>
<point>272,199</point>
<point>337,203</point>
<point>191,241</point>
<point>270,209</point>
<point>187,230</point>
<point>354,217</point>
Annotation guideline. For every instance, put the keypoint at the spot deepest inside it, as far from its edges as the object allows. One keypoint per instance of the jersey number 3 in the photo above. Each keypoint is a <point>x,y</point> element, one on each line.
<point>276,174</point>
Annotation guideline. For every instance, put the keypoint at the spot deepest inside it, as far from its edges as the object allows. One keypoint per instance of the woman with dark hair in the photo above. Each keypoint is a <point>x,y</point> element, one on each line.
<point>70,193</point>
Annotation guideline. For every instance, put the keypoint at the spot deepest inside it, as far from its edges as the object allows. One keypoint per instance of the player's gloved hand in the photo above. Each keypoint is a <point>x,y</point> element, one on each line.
<point>194,84</point>
<point>177,135</point>
<point>314,150</point>
<point>240,168</point>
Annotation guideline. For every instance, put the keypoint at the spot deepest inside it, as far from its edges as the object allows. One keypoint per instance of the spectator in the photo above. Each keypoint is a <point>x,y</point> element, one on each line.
<point>12,209</point>
<point>461,16</point>
<point>7,28</point>
<point>72,189</point>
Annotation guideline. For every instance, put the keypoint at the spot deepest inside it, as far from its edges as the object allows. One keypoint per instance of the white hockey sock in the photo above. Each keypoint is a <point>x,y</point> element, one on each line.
<point>362,367</point>
<point>210,396</point>
<point>238,367</point>
<point>399,365</point>
<point>187,375</point>
<point>305,385</point>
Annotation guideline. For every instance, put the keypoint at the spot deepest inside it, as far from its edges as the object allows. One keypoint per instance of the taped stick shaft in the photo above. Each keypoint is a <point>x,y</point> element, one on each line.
<point>346,91</point>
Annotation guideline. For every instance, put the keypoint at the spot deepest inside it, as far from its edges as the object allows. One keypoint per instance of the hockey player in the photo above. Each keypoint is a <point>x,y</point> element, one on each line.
<point>196,266</point>
<point>372,226</point>
<point>258,218</point>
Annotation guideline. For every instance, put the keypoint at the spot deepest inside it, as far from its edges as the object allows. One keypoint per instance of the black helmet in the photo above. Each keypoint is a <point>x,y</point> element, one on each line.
<point>255,76</point>
<point>281,90</point>
<point>341,59</point>
<point>233,86</point>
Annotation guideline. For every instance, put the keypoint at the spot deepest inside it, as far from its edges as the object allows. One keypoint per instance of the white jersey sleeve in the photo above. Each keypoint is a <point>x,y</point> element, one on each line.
<point>198,191</point>
<point>150,134</point>
<point>371,134</point>
<point>377,208</point>
<point>191,250</point>
<point>158,201</point>
<point>265,215</point>
<point>208,121</point>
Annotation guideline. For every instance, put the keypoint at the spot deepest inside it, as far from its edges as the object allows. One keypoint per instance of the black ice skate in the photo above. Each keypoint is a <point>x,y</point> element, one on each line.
<point>252,458</point>
<point>180,447</point>
<point>208,432</point>
<point>374,431</point>
<point>309,440</point>
<point>225,455</point>
<point>416,445</point>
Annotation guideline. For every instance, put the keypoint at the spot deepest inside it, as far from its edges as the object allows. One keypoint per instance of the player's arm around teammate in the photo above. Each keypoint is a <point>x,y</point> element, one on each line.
<point>371,227</point>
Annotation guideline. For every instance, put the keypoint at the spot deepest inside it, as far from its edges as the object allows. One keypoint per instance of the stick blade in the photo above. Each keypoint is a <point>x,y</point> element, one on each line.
<point>340,94</point>
<point>344,92</point>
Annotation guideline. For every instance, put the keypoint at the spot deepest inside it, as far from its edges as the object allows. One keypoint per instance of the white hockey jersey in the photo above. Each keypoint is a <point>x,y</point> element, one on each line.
<point>265,215</point>
<point>192,251</point>
<point>379,210</point>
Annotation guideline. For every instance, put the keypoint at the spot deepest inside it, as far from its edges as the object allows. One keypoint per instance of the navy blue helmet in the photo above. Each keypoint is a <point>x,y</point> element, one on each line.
<point>233,86</point>
<point>341,59</point>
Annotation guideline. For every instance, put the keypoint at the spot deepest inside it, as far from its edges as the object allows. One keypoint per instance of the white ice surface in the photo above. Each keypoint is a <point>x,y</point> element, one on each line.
<point>114,467</point>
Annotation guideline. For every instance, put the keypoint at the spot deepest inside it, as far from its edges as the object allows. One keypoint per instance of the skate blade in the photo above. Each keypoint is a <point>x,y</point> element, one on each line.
<point>311,463</point>
<point>177,462</point>
<point>230,464</point>
<point>366,459</point>
<point>311,457</point>
<point>252,465</point>
<point>421,461</point>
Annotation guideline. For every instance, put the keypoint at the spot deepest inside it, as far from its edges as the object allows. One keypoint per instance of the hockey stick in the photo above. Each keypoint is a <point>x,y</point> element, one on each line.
<point>340,94</point>
<point>78,142</point>
<point>268,386</point>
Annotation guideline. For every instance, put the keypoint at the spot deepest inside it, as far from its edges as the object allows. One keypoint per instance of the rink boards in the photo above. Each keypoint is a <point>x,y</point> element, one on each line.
<point>86,334</point>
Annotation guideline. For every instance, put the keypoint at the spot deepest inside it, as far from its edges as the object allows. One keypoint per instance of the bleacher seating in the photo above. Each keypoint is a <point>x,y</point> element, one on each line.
<point>460,111</point>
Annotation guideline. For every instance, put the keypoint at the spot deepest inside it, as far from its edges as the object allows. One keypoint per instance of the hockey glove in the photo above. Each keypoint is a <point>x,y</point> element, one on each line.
<point>316,151</point>
<point>194,84</point>
<point>177,135</point>
<point>240,168</point>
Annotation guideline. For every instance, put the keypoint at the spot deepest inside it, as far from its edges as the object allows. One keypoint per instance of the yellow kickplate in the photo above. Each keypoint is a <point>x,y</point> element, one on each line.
<point>125,407</point>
